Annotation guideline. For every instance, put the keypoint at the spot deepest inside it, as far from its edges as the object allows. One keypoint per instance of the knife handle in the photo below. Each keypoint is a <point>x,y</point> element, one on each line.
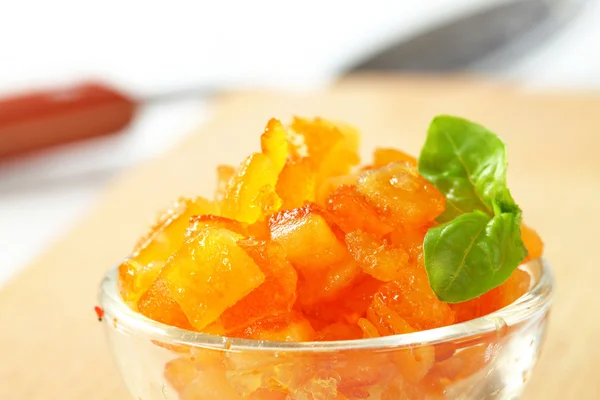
<point>34,121</point>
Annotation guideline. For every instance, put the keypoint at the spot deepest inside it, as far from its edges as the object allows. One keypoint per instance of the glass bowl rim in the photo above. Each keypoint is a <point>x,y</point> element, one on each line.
<point>536,301</point>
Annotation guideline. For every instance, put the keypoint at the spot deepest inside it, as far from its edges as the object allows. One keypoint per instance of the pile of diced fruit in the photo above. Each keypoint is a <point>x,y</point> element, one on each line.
<point>302,244</point>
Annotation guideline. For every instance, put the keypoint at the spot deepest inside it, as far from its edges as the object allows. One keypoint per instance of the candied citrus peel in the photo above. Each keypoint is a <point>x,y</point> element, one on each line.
<point>137,274</point>
<point>300,244</point>
<point>250,193</point>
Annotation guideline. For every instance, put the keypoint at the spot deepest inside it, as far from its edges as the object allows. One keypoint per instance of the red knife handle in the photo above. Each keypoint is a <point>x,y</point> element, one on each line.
<point>34,121</point>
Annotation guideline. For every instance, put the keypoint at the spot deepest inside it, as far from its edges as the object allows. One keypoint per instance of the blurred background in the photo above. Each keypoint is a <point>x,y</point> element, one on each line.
<point>166,60</point>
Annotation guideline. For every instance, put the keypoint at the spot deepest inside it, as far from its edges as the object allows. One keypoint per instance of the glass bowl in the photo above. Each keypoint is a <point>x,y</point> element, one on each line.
<point>486,358</point>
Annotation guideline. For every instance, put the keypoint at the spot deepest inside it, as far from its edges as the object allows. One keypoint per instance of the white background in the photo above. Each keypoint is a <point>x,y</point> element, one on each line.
<point>148,47</point>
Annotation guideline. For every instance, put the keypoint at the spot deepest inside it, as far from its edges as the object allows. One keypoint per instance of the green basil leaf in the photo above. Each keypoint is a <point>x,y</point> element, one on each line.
<point>467,163</point>
<point>472,254</point>
<point>479,243</point>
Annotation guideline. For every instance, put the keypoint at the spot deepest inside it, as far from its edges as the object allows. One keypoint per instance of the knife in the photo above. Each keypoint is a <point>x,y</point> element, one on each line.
<point>501,32</point>
<point>34,121</point>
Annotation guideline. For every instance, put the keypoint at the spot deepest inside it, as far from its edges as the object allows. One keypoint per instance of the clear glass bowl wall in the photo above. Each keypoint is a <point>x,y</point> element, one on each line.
<point>487,358</point>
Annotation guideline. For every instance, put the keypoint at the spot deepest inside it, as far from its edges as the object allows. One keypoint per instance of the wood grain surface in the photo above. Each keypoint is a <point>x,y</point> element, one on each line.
<point>52,347</point>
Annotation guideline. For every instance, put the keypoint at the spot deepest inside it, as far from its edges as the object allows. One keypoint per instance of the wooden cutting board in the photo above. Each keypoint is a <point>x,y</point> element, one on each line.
<point>52,347</point>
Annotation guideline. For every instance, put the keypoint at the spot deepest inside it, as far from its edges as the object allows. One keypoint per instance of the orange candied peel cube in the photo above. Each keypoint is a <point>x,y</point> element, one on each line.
<point>180,372</point>
<point>368,329</point>
<point>339,331</point>
<point>377,258</point>
<point>463,363</point>
<point>414,363</point>
<point>533,243</point>
<point>164,238</point>
<point>250,194</point>
<point>354,373</point>
<point>412,299</point>
<point>209,384</point>
<point>135,279</point>
<point>325,284</point>
<point>275,296</point>
<point>400,389</point>
<point>385,320</point>
<point>515,286</point>
<point>331,184</point>
<point>274,143</point>
<point>307,238</point>
<point>268,394</point>
<point>401,195</point>
<point>322,384</point>
<point>348,307</point>
<point>313,139</point>
<point>351,211</point>
<point>168,233</point>
<point>296,183</point>
<point>224,175</point>
<point>383,156</point>
<point>290,327</point>
<point>411,239</point>
<point>250,189</point>
<point>359,297</point>
<point>258,230</point>
<point>198,222</point>
<point>332,148</point>
<point>277,371</point>
<point>209,274</point>
<point>158,304</point>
